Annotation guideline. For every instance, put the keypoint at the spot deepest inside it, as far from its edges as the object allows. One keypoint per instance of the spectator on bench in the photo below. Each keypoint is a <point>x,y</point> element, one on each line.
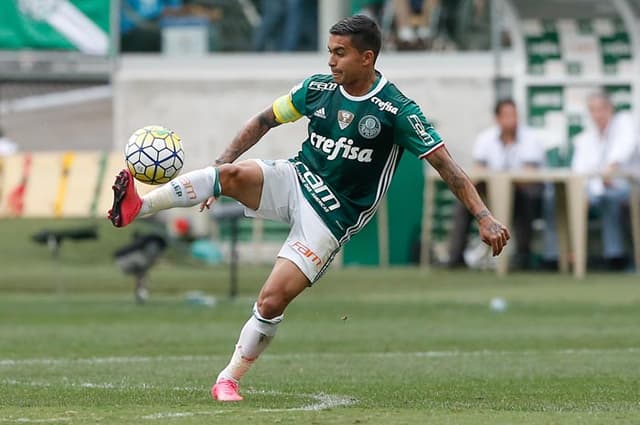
<point>608,146</point>
<point>508,145</point>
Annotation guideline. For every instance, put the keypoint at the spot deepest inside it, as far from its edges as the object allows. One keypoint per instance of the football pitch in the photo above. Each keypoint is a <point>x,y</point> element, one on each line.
<point>365,346</point>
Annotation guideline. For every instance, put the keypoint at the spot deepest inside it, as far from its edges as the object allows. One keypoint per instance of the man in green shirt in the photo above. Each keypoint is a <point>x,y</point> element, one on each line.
<point>359,126</point>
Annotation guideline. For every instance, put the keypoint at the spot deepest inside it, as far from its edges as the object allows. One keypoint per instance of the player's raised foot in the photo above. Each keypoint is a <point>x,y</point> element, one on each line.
<point>126,202</point>
<point>225,390</point>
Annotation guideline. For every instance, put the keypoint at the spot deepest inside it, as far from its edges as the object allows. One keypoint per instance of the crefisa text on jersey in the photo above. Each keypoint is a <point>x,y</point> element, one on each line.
<point>384,105</point>
<point>334,147</point>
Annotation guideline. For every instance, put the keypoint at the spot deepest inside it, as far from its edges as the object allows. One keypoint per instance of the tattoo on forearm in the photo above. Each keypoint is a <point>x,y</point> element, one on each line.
<point>460,185</point>
<point>267,120</point>
<point>482,214</point>
<point>248,136</point>
<point>457,180</point>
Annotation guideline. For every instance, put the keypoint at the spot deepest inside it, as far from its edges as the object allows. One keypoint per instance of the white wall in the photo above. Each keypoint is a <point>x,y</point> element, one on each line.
<point>207,100</point>
<point>86,125</point>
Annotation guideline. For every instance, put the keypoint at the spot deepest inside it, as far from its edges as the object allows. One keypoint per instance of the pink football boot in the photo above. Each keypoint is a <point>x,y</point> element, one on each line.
<point>225,390</point>
<point>126,202</point>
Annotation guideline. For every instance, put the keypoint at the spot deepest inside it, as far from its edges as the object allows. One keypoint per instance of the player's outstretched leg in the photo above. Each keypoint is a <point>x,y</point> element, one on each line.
<point>186,190</point>
<point>126,201</point>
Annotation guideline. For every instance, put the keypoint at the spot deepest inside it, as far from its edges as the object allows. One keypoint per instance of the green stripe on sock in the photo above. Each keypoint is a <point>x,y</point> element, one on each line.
<point>217,188</point>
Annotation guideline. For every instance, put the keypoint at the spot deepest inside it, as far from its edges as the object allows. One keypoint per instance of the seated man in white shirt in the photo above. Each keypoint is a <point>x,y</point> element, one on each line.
<point>508,145</point>
<point>608,146</point>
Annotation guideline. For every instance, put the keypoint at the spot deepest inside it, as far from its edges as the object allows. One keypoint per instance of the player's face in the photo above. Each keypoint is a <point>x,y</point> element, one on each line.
<point>347,63</point>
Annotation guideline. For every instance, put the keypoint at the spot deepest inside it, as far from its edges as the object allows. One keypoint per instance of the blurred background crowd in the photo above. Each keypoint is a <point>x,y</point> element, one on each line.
<point>513,85</point>
<point>291,25</point>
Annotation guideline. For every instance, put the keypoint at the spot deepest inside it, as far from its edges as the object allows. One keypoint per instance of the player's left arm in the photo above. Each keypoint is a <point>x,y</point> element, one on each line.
<point>418,136</point>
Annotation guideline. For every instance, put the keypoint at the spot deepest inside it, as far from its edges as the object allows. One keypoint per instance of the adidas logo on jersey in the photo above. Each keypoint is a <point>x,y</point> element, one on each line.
<point>320,113</point>
<point>342,147</point>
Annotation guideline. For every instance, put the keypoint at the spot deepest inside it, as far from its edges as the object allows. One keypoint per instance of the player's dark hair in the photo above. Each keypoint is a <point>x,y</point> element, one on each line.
<point>364,32</point>
<point>501,103</point>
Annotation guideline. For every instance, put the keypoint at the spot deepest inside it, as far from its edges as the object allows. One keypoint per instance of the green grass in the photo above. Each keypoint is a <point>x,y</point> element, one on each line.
<point>365,346</point>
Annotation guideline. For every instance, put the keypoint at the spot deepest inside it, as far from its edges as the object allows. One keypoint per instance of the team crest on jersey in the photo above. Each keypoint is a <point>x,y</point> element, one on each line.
<point>344,118</point>
<point>369,126</point>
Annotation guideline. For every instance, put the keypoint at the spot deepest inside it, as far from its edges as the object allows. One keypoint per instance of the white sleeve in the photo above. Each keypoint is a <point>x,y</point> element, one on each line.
<point>579,160</point>
<point>480,152</point>
<point>533,150</point>
<point>623,142</point>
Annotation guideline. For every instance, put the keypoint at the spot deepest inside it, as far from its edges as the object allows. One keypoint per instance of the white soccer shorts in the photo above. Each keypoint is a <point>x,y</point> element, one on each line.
<point>310,244</point>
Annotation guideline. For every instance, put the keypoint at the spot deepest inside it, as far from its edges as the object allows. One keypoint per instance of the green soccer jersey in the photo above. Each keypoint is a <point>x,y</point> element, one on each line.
<point>354,146</point>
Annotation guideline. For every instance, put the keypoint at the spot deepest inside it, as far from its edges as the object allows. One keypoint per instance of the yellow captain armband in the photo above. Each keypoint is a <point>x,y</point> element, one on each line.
<point>284,110</point>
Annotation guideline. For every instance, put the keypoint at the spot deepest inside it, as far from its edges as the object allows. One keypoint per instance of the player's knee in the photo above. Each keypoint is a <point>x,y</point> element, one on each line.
<point>229,175</point>
<point>271,305</point>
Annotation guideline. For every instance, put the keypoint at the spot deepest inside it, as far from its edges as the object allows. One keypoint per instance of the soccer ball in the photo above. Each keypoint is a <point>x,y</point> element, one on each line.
<point>154,154</point>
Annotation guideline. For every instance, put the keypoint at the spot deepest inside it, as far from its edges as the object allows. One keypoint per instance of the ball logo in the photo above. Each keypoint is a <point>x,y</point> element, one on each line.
<point>369,127</point>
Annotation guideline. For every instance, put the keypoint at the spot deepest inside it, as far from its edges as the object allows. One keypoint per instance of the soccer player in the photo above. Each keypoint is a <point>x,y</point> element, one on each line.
<point>359,126</point>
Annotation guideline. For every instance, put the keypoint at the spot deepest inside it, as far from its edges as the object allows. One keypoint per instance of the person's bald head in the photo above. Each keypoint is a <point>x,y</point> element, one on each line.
<point>601,109</point>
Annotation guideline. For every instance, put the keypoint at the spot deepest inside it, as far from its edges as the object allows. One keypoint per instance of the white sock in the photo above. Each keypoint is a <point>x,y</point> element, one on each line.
<point>186,190</point>
<point>254,338</point>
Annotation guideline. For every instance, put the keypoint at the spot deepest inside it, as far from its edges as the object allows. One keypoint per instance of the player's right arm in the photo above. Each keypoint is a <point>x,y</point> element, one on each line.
<point>249,135</point>
<point>281,111</point>
<point>492,232</point>
<point>287,108</point>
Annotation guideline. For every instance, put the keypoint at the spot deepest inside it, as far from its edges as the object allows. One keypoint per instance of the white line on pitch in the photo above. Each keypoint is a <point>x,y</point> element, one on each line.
<point>321,401</point>
<point>286,356</point>
<point>171,415</point>
<point>104,360</point>
<point>29,420</point>
<point>99,385</point>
